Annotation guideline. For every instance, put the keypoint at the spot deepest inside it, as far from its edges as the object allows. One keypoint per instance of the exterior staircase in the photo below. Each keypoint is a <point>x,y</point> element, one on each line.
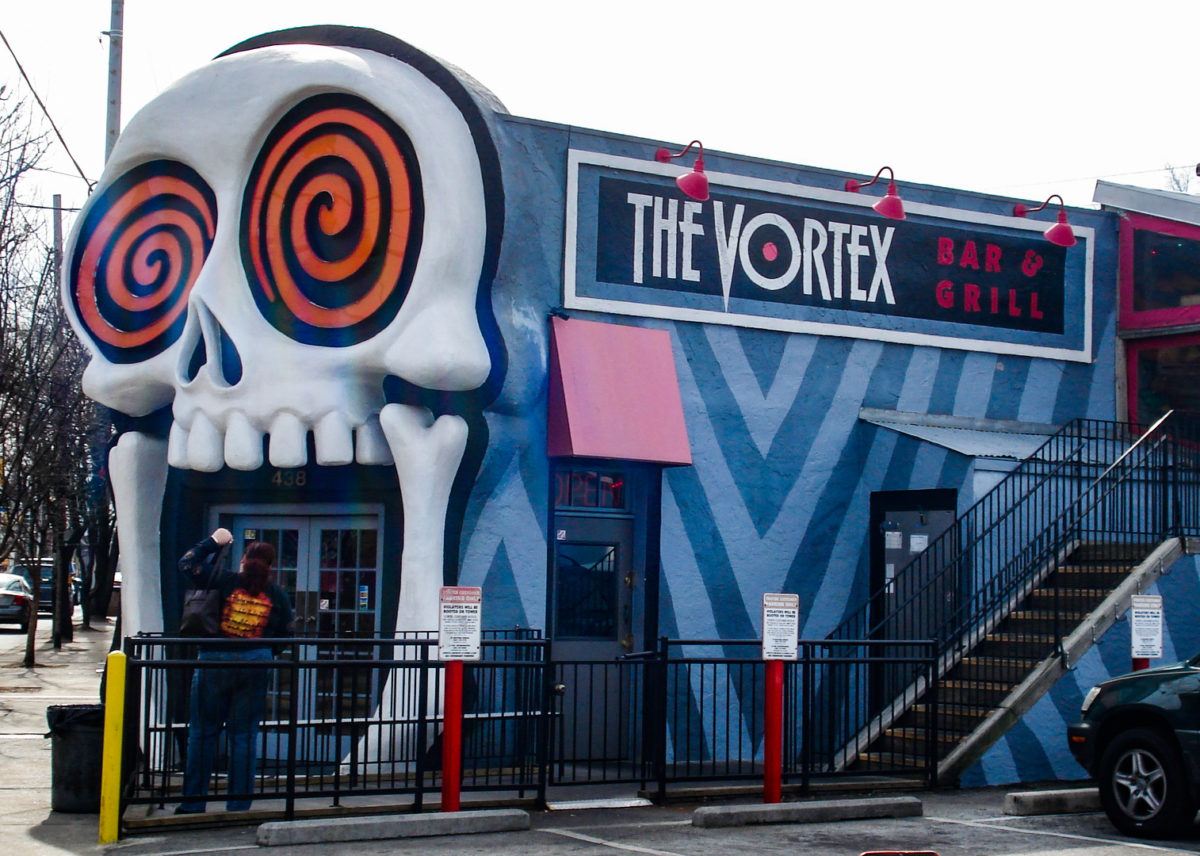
<point>985,679</point>
<point>1015,591</point>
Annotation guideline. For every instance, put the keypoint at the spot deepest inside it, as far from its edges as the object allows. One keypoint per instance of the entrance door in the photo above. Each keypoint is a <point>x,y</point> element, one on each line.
<point>329,567</point>
<point>594,588</point>
<point>596,597</point>
<point>909,601</point>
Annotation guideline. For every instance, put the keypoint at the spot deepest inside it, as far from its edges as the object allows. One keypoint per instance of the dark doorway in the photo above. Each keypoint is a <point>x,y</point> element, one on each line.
<point>913,590</point>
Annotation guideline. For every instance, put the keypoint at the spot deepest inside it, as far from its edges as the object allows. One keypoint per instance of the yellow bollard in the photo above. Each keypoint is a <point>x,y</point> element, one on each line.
<point>114,723</point>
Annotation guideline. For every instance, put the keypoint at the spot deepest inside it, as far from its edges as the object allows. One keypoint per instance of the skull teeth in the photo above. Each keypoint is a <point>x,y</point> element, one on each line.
<point>243,444</point>
<point>334,440</point>
<point>288,447</point>
<point>203,446</point>
<point>371,447</point>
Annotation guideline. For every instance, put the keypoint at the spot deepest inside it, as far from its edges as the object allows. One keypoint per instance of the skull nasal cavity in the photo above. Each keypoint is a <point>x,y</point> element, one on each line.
<point>225,363</point>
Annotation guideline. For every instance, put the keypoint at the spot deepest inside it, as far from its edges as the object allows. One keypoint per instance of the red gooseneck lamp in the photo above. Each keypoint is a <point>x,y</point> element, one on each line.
<point>890,206</point>
<point>694,184</point>
<point>1059,233</point>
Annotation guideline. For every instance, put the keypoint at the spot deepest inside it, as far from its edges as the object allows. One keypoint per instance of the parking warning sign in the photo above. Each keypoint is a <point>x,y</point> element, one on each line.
<point>459,621</point>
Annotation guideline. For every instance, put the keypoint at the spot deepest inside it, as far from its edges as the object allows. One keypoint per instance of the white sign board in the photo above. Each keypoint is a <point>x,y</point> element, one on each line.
<point>459,621</point>
<point>781,626</point>
<point>1145,626</point>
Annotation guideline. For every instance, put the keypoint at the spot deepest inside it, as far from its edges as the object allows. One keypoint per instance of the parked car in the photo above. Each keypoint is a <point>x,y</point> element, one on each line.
<point>16,601</point>
<point>1139,737</point>
<point>24,569</point>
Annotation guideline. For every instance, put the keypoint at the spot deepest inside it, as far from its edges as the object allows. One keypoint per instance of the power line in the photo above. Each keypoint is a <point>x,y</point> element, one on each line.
<point>51,171</point>
<point>1186,166</point>
<point>45,207</point>
<point>45,112</point>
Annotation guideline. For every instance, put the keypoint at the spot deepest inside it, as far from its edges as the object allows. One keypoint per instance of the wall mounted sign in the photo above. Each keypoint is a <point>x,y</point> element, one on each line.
<point>782,256</point>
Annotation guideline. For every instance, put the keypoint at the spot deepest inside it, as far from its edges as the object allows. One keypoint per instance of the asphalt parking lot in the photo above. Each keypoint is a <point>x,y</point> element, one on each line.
<point>955,823</point>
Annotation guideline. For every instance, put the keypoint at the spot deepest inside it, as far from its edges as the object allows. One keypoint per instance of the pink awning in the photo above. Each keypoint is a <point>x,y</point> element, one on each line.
<point>614,394</point>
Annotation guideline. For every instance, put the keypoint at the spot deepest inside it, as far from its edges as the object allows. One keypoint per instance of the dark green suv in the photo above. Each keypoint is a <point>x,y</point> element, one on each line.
<point>1140,739</point>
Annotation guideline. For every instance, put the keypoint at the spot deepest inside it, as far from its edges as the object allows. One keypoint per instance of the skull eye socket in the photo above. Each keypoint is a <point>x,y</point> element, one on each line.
<point>138,252</point>
<point>331,221</point>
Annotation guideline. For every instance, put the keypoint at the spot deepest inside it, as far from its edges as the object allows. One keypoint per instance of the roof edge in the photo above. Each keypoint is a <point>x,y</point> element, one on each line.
<point>968,423</point>
<point>1167,204</point>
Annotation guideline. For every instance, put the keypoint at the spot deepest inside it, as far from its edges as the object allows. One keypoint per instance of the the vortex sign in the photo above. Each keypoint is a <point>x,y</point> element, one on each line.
<point>779,255</point>
<point>140,248</point>
<point>331,221</point>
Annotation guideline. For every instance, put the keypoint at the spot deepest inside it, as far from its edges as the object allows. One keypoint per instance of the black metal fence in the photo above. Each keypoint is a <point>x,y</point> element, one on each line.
<point>350,722</point>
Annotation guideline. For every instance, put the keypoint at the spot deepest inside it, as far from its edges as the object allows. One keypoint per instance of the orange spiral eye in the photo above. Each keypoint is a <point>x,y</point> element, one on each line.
<point>139,251</point>
<point>331,221</point>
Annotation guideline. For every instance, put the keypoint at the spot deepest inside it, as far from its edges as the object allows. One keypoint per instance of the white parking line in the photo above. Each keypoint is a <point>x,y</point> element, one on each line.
<point>1091,838</point>
<point>635,824</point>
<point>203,850</point>
<point>632,848</point>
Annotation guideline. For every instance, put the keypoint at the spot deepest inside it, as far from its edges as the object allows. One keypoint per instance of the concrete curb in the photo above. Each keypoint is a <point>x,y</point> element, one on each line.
<point>817,811</point>
<point>1026,803</point>
<point>326,831</point>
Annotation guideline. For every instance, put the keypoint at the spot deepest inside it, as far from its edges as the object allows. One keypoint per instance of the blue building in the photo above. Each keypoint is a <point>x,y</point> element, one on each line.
<point>414,340</point>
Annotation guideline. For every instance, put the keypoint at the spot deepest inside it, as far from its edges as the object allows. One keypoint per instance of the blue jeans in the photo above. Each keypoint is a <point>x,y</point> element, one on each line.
<point>234,699</point>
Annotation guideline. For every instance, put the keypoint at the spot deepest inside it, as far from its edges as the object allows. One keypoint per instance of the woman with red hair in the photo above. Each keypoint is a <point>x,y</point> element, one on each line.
<point>252,607</point>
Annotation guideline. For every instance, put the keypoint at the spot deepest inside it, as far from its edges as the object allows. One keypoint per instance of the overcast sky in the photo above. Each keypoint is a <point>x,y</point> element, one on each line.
<point>1017,98</point>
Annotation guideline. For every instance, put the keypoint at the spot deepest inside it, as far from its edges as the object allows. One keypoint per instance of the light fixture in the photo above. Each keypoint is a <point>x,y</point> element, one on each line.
<point>695,183</point>
<point>890,206</point>
<point>1059,233</point>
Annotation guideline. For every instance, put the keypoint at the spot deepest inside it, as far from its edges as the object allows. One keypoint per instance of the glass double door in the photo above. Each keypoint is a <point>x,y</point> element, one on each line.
<point>329,566</point>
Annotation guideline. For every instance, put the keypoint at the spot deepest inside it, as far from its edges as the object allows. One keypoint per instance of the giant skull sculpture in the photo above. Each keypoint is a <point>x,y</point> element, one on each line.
<point>274,237</point>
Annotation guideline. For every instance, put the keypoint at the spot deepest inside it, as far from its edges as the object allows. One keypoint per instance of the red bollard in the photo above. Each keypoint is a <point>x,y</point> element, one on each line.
<point>773,733</point>
<point>452,737</point>
<point>1140,663</point>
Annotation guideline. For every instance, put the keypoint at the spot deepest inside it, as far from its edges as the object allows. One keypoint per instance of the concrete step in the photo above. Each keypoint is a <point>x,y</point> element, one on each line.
<point>1089,576</point>
<point>875,760</point>
<point>1128,553</point>
<point>1037,622</point>
<point>911,741</point>
<point>973,693</point>
<point>1076,599</point>
<point>1013,669</point>
<point>962,718</point>
<point>1036,646</point>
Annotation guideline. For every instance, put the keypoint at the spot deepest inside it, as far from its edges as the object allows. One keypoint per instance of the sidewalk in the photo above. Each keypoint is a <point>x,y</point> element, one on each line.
<point>64,677</point>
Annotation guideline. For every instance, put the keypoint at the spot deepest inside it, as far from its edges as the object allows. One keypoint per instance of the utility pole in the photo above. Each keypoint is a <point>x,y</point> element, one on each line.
<point>116,34</point>
<point>63,630</point>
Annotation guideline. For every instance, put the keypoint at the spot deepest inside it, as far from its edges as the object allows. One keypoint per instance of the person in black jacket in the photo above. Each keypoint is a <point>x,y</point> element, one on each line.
<point>252,607</point>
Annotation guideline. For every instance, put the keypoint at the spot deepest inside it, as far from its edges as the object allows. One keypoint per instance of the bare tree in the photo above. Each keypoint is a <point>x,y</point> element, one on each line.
<point>1179,178</point>
<point>48,429</point>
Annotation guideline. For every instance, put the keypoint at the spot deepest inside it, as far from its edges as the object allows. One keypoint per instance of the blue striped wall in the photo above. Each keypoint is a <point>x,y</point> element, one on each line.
<point>778,496</point>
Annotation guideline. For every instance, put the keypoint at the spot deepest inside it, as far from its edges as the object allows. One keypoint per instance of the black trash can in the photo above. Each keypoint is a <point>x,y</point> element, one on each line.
<point>76,756</point>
